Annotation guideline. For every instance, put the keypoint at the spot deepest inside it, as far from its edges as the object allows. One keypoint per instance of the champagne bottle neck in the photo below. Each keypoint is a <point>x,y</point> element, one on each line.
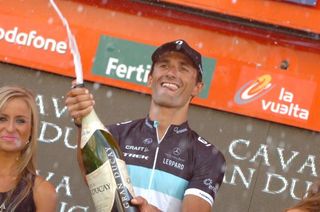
<point>92,121</point>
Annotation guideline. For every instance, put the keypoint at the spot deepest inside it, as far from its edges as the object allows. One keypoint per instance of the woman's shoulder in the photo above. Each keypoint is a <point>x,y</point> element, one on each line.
<point>296,210</point>
<point>42,185</point>
<point>45,195</point>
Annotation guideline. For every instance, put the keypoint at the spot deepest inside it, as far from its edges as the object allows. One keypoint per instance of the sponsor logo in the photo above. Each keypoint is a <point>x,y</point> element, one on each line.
<point>137,148</point>
<point>208,182</point>
<point>124,122</point>
<point>138,156</point>
<point>176,151</point>
<point>205,196</point>
<point>284,105</point>
<point>173,158</point>
<point>137,73</point>
<point>253,89</point>
<point>147,141</point>
<point>32,39</point>
<point>173,163</point>
<point>99,189</point>
<point>206,143</point>
<point>178,131</point>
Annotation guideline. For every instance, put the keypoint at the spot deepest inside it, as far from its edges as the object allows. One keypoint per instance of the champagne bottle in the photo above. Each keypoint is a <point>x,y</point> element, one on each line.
<point>106,171</point>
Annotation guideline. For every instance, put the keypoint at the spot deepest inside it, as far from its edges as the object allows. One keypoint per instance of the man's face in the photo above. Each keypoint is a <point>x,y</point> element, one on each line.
<point>174,80</point>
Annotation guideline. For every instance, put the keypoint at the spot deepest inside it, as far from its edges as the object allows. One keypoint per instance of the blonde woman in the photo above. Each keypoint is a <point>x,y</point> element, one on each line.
<point>20,188</point>
<point>312,201</point>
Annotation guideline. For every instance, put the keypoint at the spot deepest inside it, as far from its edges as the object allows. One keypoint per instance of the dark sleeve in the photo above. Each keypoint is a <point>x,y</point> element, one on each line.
<point>208,173</point>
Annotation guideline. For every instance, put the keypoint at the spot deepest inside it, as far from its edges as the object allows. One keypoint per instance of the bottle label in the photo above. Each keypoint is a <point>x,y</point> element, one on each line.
<point>103,186</point>
<point>90,124</point>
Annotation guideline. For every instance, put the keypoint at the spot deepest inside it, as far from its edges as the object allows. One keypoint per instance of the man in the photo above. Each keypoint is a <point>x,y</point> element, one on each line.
<point>178,170</point>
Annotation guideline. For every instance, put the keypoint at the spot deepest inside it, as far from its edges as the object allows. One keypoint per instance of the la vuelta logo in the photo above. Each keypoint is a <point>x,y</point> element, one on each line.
<point>253,89</point>
<point>283,105</point>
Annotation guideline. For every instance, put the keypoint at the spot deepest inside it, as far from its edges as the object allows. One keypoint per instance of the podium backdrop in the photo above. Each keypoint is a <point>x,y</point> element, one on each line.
<point>269,166</point>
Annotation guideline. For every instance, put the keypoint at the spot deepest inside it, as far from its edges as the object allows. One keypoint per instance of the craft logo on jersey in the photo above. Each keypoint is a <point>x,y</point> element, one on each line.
<point>253,89</point>
<point>136,152</point>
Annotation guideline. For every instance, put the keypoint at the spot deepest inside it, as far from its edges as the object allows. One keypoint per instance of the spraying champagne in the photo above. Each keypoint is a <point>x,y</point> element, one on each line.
<point>106,171</point>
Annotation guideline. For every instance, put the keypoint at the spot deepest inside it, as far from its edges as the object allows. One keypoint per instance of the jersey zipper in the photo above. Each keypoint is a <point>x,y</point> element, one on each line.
<point>156,124</point>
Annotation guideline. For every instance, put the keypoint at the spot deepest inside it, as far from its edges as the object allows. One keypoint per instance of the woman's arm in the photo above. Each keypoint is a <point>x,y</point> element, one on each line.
<point>44,195</point>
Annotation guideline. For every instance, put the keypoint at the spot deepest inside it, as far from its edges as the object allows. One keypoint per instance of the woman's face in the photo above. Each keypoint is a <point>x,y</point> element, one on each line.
<point>15,125</point>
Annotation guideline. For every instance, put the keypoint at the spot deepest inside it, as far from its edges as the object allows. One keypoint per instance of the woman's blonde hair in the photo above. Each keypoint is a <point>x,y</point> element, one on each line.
<point>27,161</point>
<point>311,202</point>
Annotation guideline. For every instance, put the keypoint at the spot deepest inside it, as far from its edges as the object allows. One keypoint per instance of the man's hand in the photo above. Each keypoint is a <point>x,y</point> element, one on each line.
<point>79,103</point>
<point>143,205</point>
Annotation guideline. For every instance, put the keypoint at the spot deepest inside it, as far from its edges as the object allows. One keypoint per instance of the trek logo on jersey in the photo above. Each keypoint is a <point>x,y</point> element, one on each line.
<point>253,89</point>
<point>131,62</point>
<point>137,156</point>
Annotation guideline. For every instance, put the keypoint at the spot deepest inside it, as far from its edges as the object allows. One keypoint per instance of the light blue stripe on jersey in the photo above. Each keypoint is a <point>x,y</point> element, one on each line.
<point>162,182</point>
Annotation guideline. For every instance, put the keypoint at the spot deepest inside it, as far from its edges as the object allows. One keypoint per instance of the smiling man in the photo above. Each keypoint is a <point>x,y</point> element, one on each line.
<point>171,167</point>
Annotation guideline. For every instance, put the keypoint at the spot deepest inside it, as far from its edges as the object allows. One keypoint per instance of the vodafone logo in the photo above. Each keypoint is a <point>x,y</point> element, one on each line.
<point>32,39</point>
<point>253,89</point>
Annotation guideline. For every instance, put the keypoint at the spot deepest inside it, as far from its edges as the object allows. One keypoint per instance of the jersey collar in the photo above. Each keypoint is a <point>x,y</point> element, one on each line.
<point>173,129</point>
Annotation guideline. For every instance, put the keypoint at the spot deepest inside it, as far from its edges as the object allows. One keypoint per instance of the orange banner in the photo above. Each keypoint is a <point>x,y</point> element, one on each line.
<point>266,93</point>
<point>242,75</point>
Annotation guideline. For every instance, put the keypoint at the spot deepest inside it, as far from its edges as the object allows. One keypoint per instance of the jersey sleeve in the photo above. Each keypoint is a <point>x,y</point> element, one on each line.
<point>208,174</point>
